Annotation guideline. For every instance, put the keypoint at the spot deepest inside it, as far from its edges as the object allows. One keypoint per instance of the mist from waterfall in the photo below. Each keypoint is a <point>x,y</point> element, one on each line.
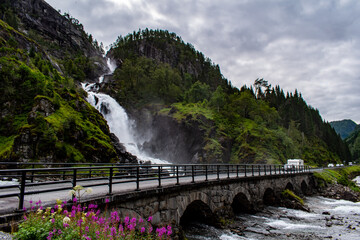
<point>117,118</point>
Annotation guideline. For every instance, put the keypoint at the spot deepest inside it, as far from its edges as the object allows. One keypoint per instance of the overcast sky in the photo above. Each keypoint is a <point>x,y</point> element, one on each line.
<point>310,45</point>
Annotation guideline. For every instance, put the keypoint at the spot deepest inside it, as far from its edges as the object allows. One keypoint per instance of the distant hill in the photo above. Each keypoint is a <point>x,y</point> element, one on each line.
<point>353,142</point>
<point>344,127</point>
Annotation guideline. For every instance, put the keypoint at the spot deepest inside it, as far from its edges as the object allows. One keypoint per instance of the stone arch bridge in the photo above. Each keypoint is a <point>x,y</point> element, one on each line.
<point>210,200</point>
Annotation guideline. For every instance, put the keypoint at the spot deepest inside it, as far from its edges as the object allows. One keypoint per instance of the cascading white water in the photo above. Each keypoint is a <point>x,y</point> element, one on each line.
<point>117,119</point>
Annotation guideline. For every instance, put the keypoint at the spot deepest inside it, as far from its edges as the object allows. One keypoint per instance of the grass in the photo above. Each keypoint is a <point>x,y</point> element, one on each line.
<point>291,195</point>
<point>342,176</point>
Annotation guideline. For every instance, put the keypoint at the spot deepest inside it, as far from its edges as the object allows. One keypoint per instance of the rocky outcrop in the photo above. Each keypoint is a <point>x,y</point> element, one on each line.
<point>179,141</point>
<point>40,20</point>
<point>338,191</point>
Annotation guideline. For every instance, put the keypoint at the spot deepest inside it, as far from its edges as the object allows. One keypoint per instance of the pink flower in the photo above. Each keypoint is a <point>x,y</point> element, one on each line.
<point>113,231</point>
<point>141,220</point>
<point>53,220</point>
<point>65,225</point>
<point>150,219</point>
<point>142,230</point>
<point>74,199</point>
<point>25,218</point>
<point>107,200</point>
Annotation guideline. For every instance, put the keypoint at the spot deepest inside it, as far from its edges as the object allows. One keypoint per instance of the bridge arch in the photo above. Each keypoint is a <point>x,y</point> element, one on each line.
<point>198,211</point>
<point>269,197</point>
<point>289,186</point>
<point>242,204</point>
<point>304,187</point>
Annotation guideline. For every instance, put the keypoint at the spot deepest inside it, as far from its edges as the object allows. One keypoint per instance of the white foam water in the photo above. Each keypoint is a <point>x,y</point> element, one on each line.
<point>117,119</point>
<point>328,219</point>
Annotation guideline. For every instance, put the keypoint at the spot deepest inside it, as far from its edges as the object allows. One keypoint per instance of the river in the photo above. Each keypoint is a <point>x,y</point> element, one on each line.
<point>328,219</point>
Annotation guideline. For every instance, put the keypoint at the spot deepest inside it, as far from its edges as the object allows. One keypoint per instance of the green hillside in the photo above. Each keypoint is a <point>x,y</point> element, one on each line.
<point>344,127</point>
<point>354,145</point>
<point>160,74</point>
<point>43,114</point>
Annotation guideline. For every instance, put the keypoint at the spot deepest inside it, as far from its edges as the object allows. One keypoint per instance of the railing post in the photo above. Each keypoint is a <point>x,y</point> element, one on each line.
<point>259,170</point>
<point>90,171</point>
<point>252,170</point>
<point>74,178</point>
<point>237,171</point>
<point>32,173</point>
<point>265,169</point>
<point>192,174</point>
<point>218,172</point>
<point>63,175</point>
<point>22,191</point>
<point>137,178</point>
<point>228,171</point>
<point>270,170</point>
<point>206,173</point>
<point>159,176</point>
<point>245,170</point>
<point>110,180</point>
<point>177,175</point>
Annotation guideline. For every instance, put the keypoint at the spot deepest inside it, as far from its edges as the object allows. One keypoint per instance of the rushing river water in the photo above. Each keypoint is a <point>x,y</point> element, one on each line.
<point>328,219</point>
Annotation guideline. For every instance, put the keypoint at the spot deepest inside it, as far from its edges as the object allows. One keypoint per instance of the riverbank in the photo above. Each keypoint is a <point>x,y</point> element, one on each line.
<point>333,212</point>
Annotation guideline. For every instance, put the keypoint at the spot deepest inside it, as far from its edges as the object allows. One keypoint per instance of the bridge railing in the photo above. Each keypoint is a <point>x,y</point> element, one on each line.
<point>33,181</point>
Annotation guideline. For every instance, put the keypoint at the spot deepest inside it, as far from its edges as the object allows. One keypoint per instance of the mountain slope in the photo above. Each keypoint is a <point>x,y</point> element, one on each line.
<point>43,114</point>
<point>198,116</point>
<point>344,127</point>
<point>353,142</point>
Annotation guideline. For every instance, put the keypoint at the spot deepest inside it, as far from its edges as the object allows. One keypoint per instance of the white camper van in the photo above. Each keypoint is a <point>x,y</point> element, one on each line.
<point>294,163</point>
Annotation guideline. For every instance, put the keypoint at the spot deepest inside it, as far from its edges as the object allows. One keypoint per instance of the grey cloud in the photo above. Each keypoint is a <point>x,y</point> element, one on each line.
<point>309,45</point>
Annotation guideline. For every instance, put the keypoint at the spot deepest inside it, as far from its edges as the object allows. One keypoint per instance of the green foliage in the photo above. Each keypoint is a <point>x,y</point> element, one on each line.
<point>83,221</point>
<point>291,195</point>
<point>141,80</point>
<point>342,176</point>
<point>353,142</point>
<point>66,127</point>
<point>198,92</point>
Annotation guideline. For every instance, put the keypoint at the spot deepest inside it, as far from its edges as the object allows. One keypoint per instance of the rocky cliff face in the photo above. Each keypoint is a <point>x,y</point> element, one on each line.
<point>185,141</point>
<point>43,114</point>
<point>57,34</point>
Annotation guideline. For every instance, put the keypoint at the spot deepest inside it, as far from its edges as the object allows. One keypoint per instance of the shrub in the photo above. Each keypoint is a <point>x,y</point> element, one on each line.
<point>291,195</point>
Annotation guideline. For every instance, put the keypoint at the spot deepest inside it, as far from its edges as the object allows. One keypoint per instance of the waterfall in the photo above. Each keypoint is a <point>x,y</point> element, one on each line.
<point>117,119</point>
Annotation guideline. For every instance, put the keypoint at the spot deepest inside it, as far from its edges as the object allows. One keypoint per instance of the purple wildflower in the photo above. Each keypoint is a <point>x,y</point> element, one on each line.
<point>150,219</point>
<point>142,230</point>
<point>113,231</point>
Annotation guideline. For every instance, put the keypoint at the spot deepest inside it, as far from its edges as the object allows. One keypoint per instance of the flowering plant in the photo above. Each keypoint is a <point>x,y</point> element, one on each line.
<point>84,222</point>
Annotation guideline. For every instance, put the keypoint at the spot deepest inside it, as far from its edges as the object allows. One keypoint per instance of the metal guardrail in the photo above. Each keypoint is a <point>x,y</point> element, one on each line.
<point>117,174</point>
